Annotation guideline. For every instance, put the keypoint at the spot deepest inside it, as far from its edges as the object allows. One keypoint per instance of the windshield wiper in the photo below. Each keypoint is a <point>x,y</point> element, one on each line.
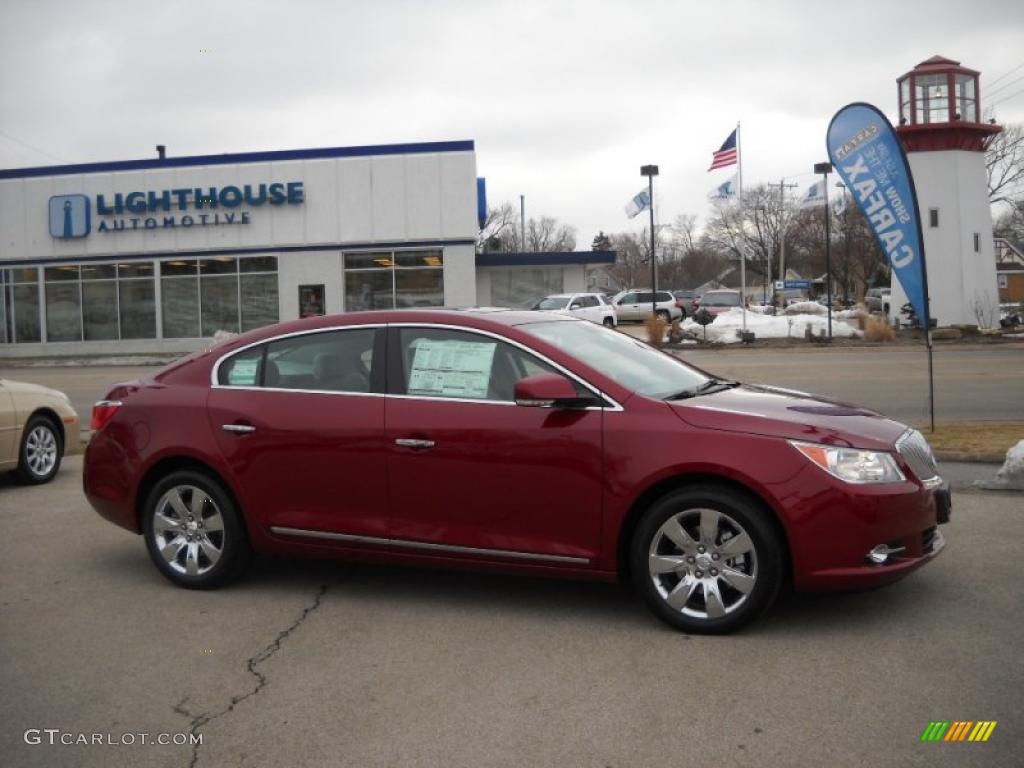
<point>709,386</point>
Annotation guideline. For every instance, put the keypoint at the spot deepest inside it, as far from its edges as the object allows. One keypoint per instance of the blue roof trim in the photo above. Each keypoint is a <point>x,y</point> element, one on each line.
<point>240,157</point>
<point>544,259</point>
<point>164,255</point>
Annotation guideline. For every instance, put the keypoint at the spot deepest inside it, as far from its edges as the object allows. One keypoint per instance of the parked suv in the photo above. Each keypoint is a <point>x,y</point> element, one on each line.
<point>717,302</point>
<point>635,304</point>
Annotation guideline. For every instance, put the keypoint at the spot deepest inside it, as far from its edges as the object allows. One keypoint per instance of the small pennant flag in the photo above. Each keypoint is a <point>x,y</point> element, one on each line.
<point>641,202</point>
<point>727,155</point>
<point>814,196</point>
<point>725,191</point>
<point>839,203</point>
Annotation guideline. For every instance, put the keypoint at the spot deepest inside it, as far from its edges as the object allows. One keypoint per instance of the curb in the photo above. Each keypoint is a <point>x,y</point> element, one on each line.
<point>970,458</point>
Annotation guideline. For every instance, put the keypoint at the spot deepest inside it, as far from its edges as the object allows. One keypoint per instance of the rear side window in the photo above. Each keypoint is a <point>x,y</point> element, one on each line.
<point>333,361</point>
<point>242,370</point>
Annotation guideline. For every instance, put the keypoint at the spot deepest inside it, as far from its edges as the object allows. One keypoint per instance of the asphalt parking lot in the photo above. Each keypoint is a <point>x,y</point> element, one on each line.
<point>310,664</point>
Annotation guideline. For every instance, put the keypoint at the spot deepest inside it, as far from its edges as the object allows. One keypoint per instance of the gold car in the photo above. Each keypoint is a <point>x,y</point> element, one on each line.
<point>36,424</point>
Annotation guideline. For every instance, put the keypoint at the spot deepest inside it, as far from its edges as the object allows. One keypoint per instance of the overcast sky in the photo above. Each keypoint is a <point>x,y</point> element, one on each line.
<point>565,100</point>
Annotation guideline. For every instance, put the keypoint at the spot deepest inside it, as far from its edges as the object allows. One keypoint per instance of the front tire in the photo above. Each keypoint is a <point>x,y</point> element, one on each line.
<point>608,322</point>
<point>40,453</point>
<point>193,531</point>
<point>706,560</point>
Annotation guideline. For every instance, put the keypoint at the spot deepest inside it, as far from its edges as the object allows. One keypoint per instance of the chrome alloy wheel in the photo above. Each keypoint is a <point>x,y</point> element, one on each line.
<point>702,563</point>
<point>41,451</point>
<point>188,530</point>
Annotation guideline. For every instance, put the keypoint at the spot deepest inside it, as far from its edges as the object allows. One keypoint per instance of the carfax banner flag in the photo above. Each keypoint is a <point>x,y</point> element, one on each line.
<point>868,156</point>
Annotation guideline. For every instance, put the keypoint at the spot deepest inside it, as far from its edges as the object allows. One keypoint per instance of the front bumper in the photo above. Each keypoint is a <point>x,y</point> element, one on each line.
<point>846,526</point>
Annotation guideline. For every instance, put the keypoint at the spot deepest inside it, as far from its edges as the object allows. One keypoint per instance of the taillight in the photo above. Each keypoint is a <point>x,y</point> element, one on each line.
<point>103,412</point>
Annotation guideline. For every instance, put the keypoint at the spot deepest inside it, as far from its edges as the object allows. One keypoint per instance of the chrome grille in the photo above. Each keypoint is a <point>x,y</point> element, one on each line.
<point>918,454</point>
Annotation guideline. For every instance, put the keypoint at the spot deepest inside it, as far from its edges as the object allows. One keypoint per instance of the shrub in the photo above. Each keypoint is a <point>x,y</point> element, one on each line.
<point>656,331</point>
<point>878,329</point>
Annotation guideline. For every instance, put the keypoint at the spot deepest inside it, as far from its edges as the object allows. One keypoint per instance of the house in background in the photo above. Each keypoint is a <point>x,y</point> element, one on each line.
<point>1009,272</point>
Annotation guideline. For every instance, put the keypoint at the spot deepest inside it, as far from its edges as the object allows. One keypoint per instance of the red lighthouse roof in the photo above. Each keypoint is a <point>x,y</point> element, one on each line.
<point>940,108</point>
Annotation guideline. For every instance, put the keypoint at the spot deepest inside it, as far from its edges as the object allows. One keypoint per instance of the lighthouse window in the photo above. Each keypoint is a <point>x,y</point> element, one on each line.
<point>931,92</point>
<point>905,101</point>
<point>933,217</point>
<point>966,99</point>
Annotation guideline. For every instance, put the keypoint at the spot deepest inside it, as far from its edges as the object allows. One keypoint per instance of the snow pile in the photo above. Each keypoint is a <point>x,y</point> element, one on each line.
<point>805,308</point>
<point>1011,475</point>
<point>725,327</point>
<point>219,337</point>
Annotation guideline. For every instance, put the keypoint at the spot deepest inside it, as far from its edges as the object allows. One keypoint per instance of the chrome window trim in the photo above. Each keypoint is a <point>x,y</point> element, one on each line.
<point>615,407</point>
<point>375,540</point>
<point>214,384</point>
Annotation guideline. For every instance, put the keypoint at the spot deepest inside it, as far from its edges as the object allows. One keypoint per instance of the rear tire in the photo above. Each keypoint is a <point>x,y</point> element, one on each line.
<point>706,560</point>
<point>40,453</point>
<point>664,315</point>
<point>194,532</point>
<point>608,322</point>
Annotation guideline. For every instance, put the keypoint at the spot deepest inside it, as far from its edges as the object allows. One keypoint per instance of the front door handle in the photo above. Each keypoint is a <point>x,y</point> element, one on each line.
<point>407,442</point>
<point>240,429</point>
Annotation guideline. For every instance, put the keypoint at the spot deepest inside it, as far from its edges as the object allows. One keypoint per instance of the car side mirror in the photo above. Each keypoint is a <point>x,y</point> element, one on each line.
<point>575,305</point>
<point>547,390</point>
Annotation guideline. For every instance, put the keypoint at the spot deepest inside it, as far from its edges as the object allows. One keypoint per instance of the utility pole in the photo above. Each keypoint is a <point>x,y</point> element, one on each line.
<point>783,186</point>
<point>522,223</point>
<point>825,169</point>
<point>650,171</point>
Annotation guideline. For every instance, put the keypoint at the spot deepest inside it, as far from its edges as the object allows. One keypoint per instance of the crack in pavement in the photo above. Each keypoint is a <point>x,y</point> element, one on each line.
<point>201,719</point>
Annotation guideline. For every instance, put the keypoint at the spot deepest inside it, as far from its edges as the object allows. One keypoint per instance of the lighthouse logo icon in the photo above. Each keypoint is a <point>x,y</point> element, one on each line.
<point>69,216</point>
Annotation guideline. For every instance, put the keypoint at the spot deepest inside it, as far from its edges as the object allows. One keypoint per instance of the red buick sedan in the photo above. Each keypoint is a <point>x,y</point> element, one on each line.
<point>510,440</point>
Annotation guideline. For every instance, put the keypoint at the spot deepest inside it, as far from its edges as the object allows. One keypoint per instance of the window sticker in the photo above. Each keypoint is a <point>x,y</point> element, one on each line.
<point>451,368</point>
<point>243,371</point>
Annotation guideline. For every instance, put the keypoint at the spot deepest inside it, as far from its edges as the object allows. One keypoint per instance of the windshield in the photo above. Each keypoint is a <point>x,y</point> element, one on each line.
<point>721,299</point>
<point>627,361</point>
<point>552,302</point>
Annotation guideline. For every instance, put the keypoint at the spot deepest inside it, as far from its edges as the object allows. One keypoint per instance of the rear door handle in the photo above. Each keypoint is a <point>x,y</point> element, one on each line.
<point>406,442</point>
<point>240,429</point>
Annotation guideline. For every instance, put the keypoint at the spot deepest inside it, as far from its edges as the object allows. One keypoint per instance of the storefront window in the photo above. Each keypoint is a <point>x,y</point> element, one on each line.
<point>521,287</point>
<point>228,295</point>
<point>63,304</point>
<point>394,280</point>
<point>19,305</point>
<point>99,310</point>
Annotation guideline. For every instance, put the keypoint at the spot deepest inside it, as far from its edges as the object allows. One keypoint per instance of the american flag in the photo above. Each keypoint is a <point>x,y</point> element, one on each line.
<point>726,155</point>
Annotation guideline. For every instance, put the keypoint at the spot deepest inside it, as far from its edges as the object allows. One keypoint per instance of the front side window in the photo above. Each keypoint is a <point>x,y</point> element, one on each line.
<point>627,361</point>
<point>463,365</point>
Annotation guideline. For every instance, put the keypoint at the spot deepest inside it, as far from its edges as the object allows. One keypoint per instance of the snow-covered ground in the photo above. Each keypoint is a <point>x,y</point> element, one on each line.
<point>723,329</point>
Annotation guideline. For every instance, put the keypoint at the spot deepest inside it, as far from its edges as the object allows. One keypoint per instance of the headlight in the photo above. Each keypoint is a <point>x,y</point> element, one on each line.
<point>852,465</point>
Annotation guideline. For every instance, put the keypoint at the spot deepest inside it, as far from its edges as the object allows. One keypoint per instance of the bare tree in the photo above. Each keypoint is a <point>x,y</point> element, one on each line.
<point>499,223</point>
<point>1004,164</point>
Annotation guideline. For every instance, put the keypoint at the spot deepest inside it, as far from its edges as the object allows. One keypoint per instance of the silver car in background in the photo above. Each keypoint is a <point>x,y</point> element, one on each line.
<point>635,304</point>
<point>589,306</point>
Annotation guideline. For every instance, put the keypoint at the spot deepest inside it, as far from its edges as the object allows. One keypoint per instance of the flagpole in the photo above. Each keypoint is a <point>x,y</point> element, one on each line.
<point>743,257</point>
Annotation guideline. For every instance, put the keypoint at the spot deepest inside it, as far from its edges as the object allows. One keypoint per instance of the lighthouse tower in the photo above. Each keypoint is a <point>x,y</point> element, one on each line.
<point>942,132</point>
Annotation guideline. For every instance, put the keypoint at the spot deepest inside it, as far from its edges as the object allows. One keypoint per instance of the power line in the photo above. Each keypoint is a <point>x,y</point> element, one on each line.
<point>1005,85</point>
<point>1006,74</point>
<point>34,149</point>
<point>1006,98</point>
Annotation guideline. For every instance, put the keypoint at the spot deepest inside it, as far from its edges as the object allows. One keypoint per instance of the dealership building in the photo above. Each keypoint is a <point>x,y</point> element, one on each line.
<point>156,255</point>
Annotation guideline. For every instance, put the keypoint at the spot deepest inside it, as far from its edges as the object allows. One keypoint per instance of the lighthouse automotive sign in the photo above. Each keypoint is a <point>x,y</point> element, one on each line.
<point>71,215</point>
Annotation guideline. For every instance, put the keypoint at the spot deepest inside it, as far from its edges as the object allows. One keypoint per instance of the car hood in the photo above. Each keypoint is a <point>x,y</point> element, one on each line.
<point>24,388</point>
<point>774,412</point>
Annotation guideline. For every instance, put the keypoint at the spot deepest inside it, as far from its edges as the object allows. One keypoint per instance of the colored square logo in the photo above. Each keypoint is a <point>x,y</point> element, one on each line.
<point>69,216</point>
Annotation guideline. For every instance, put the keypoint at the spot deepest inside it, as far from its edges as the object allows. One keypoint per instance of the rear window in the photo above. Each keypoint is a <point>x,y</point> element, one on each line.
<point>721,299</point>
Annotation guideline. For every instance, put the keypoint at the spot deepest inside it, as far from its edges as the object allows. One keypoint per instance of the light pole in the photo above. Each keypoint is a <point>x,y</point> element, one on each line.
<point>650,171</point>
<point>825,169</point>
